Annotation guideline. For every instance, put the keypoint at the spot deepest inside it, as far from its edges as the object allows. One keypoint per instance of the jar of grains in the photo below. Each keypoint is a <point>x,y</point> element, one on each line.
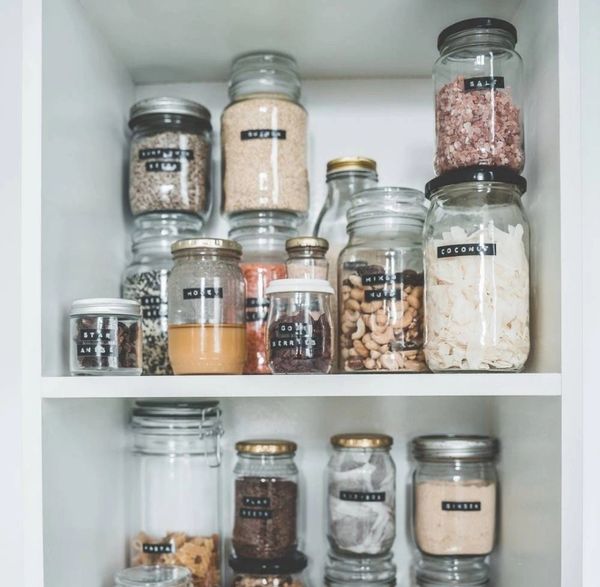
<point>106,337</point>
<point>454,495</point>
<point>300,335</point>
<point>264,136</point>
<point>477,271</point>
<point>479,96</point>
<point>361,495</point>
<point>169,163</point>
<point>343,571</point>
<point>285,572</point>
<point>262,236</point>
<point>154,576</point>
<point>177,487</point>
<point>306,258</point>
<point>145,279</point>
<point>380,282</point>
<point>207,331</point>
<point>470,571</point>
<point>266,499</point>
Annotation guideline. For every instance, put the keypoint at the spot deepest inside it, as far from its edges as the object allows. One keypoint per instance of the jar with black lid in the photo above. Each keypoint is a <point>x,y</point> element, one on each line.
<point>285,572</point>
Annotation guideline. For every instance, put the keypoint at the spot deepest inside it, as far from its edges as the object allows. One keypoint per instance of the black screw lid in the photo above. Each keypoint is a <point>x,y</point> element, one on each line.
<point>476,23</point>
<point>294,563</point>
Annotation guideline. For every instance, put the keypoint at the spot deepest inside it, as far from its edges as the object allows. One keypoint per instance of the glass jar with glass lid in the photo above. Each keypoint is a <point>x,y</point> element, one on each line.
<point>286,572</point>
<point>154,576</point>
<point>476,256</point>
<point>177,487</point>
<point>343,571</point>
<point>169,164</point>
<point>264,136</point>
<point>266,499</point>
<point>207,331</point>
<point>479,95</point>
<point>380,282</point>
<point>471,571</point>
<point>455,488</point>
<point>306,258</point>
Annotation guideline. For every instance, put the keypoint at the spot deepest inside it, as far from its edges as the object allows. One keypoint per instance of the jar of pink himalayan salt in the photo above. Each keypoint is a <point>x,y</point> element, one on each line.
<point>479,96</point>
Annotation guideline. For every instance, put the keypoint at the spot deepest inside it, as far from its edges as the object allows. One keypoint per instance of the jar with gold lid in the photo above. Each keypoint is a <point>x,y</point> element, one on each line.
<point>306,257</point>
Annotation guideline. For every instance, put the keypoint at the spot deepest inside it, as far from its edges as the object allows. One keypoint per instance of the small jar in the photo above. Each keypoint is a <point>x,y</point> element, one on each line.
<point>343,571</point>
<point>478,80</point>
<point>300,335</point>
<point>455,487</point>
<point>264,136</point>
<point>451,572</point>
<point>175,506</point>
<point>106,337</point>
<point>154,576</point>
<point>476,256</point>
<point>145,280</point>
<point>266,500</point>
<point>288,572</point>
<point>361,495</point>
<point>207,332</point>
<point>262,236</point>
<point>169,163</point>
<point>380,282</point>
<point>306,258</point>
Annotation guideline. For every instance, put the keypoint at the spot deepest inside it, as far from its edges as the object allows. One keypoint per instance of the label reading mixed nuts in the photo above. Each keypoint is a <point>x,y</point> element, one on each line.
<point>263,133</point>
<point>256,309</point>
<point>166,548</point>
<point>461,506</point>
<point>467,250</point>
<point>153,307</point>
<point>373,496</point>
<point>484,83</point>
<point>374,295</point>
<point>196,293</point>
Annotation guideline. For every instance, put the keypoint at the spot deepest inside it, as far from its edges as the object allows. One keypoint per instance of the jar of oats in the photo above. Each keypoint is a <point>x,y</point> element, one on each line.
<point>264,136</point>
<point>169,163</point>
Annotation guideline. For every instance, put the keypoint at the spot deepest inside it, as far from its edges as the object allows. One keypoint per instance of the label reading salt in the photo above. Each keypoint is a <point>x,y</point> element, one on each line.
<point>363,496</point>
<point>167,548</point>
<point>484,83</point>
<point>263,133</point>
<point>196,293</point>
<point>467,250</point>
<point>461,506</point>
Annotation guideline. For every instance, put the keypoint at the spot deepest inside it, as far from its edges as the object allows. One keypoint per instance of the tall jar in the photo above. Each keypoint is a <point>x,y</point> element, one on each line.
<point>452,572</point>
<point>262,236</point>
<point>145,280</point>
<point>207,331</point>
<point>176,499</point>
<point>306,258</point>
<point>169,163</point>
<point>380,282</point>
<point>455,487</point>
<point>476,255</point>
<point>361,495</point>
<point>266,500</point>
<point>264,136</point>
<point>154,576</point>
<point>479,96</point>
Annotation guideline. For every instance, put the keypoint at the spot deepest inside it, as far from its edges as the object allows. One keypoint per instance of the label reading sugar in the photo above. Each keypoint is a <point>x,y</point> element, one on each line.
<point>495,82</point>
<point>152,307</point>
<point>461,506</point>
<point>257,309</point>
<point>167,548</point>
<point>373,496</point>
<point>168,166</point>
<point>263,133</point>
<point>255,514</point>
<point>167,154</point>
<point>257,502</point>
<point>93,335</point>
<point>96,350</point>
<point>467,250</point>
<point>375,295</point>
<point>196,293</point>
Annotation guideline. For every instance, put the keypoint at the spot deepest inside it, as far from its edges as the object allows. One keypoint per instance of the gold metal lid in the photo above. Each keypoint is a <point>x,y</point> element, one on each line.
<point>266,446</point>
<point>218,244</point>
<point>362,440</point>
<point>351,164</point>
<point>306,242</point>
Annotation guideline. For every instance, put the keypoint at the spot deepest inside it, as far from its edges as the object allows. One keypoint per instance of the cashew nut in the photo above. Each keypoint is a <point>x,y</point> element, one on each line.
<point>360,330</point>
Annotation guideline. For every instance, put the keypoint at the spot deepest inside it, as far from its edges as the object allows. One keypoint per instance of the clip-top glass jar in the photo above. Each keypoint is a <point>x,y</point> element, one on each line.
<point>176,503</point>
<point>380,282</point>
<point>154,576</point>
<point>306,258</point>
<point>478,96</point>
<point>288,572</point>
<point>207,332</point>
<point>266,499</point>
<point>455,487</point>
<point>264,136</point>
<point>169,167</point>
<point>476,256</point>
<point>452,572</point>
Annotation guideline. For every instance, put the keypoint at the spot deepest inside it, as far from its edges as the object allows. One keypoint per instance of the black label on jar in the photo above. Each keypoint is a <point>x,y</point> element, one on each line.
<point>374,295</point>
<point>467,250</point>
<point>196,293</point>
<point>93,335</point>
<point>373,496</point>
<point>381,278</point>
<point>255,514</point>
<point>263,133</point>
<point>257,502</point>
<point>168,166</point>
<point>167,154</point>
<point>167,548</point>
<point>293,329</point>
<point>461,506</point>
<point>306,342</point>
<point>152,307</point>
<point>257,309</point>
<point>484,83</point>
<point>96,350</point>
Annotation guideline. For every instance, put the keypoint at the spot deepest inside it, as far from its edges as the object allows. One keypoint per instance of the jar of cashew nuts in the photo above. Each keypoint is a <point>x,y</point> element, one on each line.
<point>380,282</point>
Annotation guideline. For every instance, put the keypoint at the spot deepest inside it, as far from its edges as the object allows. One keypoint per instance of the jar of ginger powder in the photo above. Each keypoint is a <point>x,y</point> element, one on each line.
<point>455,494</point>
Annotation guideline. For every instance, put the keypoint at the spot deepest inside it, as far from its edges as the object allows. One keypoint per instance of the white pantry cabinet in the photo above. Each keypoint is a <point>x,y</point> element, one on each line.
<point>366,69</point>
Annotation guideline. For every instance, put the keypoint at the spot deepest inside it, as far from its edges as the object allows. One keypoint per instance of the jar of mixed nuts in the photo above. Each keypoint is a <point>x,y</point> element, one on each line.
<point>306,258</point>
<point>380,282</point>
<point>154,576</point>
<point>471,571</point>
<point>286,572</point>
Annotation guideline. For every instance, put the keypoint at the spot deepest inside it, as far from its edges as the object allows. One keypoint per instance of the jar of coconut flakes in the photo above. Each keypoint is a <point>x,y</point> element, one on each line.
<point>476,261</point>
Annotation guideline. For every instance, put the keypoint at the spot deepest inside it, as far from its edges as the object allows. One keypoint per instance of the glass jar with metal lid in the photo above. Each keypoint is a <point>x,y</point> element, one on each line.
<point>344,571</point>
<point>264,136</point>
<point>175,508</point>
<point>154,576</point>
<point>361,495</point>
<point>286,572</point>
<point>479,96</point>
<point>472,571</point>
<point>455,487</point>
<point>380,282</point>
<point>476,257</point>
<point>207,332</point>
<point>266,499</point>
<point>169,164</point>
<point>306,258</point>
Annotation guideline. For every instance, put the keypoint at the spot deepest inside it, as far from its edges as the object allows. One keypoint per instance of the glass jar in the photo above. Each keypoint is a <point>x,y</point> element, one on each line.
<point>288,572</point>
<point>479,96</point>
<point>476,256</point>
<point>452,572</point>
<point>266,500</point>
<point>106,337</point>
<point>169,164</point>
<point>306,258</point>
<point>264,136</point>
<point>342,571</point>
<point>455,486</point>
<point>145,280</point>
<point>154,576</point>
<point>361,495</point>
<point>300,335</point>
<point>262,236</point>
<point>177,488</point>
<point>207,332</point>
<point>380,282</point>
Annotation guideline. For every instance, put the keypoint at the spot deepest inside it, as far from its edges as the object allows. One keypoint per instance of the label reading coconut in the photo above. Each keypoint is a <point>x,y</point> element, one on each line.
<point>93,335</point>
<point>196,293</point>
<point>167,548</point>
<point>373,496</point>
<point>257,502</point>
<point>255,514</point>
<point>256,309</point>
<point>96,350</point>
<point>461,506</point>
<point>167,154</point>
<point>375,295</point>
<point>484,83</point>
<point>467,250</point>
<point>263,133</point>
<point>152,307</point>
